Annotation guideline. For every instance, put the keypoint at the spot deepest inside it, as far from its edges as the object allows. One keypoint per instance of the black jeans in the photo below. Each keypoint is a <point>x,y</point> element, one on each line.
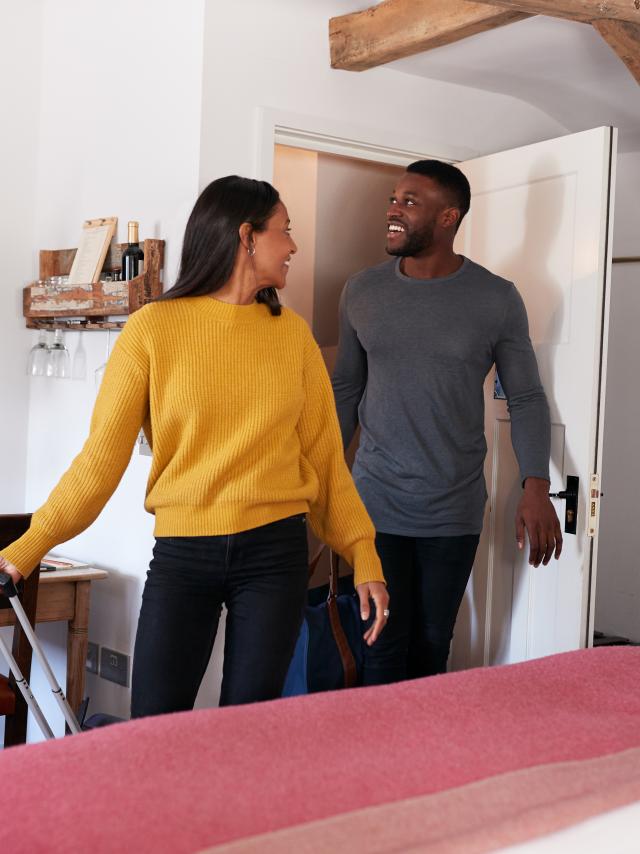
<point>426,579</point>
<point>260,575</point>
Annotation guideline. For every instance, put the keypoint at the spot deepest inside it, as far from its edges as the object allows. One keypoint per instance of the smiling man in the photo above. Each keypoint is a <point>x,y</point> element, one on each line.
<point>418,335</point>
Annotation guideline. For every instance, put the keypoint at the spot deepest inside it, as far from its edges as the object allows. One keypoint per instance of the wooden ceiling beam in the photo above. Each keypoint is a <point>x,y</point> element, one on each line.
<point>617,21</point>
<point>624,39</point>
<point>576,10</point>
<point>397,28</point>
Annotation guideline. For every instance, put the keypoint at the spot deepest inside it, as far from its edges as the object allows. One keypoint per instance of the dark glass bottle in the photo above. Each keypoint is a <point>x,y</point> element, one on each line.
<point>133,256</point>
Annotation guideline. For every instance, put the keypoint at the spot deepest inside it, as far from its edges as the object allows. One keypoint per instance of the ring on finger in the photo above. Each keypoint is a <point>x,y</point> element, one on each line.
<point>385,613</point>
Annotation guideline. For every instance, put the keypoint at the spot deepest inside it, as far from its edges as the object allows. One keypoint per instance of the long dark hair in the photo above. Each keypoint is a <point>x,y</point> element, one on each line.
<point>211,238</point>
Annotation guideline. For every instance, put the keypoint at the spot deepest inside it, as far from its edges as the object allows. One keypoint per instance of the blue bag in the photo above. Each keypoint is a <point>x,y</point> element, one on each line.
<point>328,653</point>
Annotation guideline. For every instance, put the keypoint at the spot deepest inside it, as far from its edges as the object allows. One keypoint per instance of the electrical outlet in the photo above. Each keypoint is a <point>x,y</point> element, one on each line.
<point>114,666</point>
<point>93,652</point>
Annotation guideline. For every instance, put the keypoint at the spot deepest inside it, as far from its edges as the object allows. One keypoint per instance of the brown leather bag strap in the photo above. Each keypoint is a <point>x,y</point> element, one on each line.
<point>342,644</point>
<point>316,559</point>
<point>334,572</point>
<point>344,650</point>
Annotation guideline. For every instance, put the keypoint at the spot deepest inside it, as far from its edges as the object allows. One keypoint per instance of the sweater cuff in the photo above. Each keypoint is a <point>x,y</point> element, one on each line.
<point>364,559</point>
<point>27,552</point>
<point>541,474</point>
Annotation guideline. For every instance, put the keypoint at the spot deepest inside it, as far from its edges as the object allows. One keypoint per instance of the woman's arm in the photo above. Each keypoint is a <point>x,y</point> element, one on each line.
<point>93,476</point>
<point>337,515</point>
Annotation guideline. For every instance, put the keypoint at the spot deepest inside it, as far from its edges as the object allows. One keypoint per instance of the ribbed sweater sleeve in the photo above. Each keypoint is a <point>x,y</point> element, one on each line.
<point>337,515</point>
<point>84,489</point>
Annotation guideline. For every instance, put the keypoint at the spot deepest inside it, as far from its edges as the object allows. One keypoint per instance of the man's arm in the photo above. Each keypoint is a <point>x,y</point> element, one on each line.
<point>530,433</point>
<point>349,375</point>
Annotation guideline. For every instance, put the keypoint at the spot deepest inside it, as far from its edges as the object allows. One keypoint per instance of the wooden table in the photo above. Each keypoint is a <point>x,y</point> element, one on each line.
<point>64,595</point>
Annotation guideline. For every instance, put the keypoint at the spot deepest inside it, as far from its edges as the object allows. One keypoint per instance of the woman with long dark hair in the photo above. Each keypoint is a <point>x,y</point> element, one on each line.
<point>233,396</point>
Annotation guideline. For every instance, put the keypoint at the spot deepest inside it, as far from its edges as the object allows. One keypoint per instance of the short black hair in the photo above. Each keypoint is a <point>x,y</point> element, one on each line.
<point>211,238</point>
<point>450,178</point>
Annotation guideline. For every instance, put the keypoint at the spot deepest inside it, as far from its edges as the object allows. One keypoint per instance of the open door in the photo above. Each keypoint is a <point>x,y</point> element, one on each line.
<point>541,217</point>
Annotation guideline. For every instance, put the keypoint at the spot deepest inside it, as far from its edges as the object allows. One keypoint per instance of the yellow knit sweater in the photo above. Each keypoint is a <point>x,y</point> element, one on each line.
<point>238,409</point>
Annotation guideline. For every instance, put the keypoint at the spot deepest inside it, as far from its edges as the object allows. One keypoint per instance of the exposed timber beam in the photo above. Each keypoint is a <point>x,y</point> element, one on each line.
<point>624,38</point>
<point>577,10</point>
<point>397,28</point>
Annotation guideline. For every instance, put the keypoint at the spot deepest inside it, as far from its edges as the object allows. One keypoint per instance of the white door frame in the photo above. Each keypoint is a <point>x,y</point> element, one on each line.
<point>332,136</point>
<point>606,264</point>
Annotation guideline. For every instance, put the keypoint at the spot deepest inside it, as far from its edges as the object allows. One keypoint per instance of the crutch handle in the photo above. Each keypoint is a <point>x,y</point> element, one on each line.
<point>7,586</point>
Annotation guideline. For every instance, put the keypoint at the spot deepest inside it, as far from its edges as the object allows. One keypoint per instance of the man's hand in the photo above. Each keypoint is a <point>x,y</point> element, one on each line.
<point>537,514</point>
<point>377,591</point>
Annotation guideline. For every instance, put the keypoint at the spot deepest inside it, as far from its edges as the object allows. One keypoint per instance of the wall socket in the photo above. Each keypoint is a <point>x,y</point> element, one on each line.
<point>93,652</point>
<point>114,666</point>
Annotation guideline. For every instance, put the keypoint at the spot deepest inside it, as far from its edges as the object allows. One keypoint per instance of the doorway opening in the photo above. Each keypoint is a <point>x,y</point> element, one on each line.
<point>336,196</point>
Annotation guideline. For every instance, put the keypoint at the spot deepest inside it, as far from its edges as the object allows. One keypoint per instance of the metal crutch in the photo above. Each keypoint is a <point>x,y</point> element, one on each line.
<point>8,588</point>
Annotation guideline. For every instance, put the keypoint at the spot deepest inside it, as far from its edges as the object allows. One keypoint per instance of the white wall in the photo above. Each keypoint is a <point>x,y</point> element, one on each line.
<point>20,72</point>
<point>119,135</point>
<point>276,55</point>
<point>618,585</point>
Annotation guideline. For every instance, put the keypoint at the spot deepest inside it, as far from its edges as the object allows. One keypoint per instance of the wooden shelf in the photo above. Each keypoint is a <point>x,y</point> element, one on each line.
<point>91,306</point>
<point>73,325</point>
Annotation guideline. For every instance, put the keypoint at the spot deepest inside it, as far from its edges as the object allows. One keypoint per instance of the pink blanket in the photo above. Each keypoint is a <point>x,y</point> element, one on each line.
<point>186,782</point>
<point>482,816</point>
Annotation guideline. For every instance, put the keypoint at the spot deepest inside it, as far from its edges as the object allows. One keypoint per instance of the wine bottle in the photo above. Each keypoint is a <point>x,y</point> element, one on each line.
<point>133,256</point>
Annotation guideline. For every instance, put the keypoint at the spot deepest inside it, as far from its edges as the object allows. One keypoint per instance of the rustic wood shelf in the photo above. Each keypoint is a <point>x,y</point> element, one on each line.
<point>73,325</point>
<point>91,306</point>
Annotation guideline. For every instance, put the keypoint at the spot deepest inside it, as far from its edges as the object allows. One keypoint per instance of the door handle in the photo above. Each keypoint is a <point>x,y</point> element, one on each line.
<point>570,495</point>
<point>563,494</point>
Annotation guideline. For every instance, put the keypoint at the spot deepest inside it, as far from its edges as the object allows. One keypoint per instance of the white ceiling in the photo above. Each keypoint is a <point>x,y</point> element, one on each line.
<point>564,68</point>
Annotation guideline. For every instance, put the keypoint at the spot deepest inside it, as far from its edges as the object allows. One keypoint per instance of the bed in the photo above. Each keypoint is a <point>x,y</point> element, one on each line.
<point>522,755</point>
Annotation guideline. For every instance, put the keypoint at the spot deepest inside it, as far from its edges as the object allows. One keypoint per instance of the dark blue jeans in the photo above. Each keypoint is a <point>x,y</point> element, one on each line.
<point>260,575</point>
<point>426,579</point>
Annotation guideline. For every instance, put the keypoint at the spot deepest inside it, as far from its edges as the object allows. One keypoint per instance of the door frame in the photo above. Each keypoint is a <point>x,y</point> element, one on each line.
<point>323,134</point>
<point>606,267</point>
<point>315,133</point>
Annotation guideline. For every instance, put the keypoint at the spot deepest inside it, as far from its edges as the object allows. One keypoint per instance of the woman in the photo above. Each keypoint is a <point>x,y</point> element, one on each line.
<point>234,398</point>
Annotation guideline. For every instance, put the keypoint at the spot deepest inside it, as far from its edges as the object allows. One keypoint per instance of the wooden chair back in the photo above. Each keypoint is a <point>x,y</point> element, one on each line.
<point>13,526</point>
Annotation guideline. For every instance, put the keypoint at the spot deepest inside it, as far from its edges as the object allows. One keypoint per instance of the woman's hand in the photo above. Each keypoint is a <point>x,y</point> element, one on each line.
<point>377,591</point>
<point>10,569</point>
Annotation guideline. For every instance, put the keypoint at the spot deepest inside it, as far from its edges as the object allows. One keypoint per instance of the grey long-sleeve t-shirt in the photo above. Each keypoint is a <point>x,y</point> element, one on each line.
<point>412,360</point>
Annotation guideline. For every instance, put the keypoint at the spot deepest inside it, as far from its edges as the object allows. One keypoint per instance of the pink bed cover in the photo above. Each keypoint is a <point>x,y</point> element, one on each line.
<point>195,780</point>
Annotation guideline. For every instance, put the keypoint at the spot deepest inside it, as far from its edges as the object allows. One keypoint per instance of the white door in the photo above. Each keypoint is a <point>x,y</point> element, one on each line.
<point>540,216</point>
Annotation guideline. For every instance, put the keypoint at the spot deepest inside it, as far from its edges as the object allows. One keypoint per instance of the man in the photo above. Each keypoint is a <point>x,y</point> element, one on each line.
<point>418,335</point>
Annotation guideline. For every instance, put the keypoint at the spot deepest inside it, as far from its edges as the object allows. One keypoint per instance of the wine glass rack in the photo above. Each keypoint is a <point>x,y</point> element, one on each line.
<point>50,305</point>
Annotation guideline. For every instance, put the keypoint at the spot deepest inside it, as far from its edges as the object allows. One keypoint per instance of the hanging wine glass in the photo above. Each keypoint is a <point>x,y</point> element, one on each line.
<point>59,363</point>
<point>37,360</point>
<point>48,365</point>
<point>79,364</point>
<point>99,371</point>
